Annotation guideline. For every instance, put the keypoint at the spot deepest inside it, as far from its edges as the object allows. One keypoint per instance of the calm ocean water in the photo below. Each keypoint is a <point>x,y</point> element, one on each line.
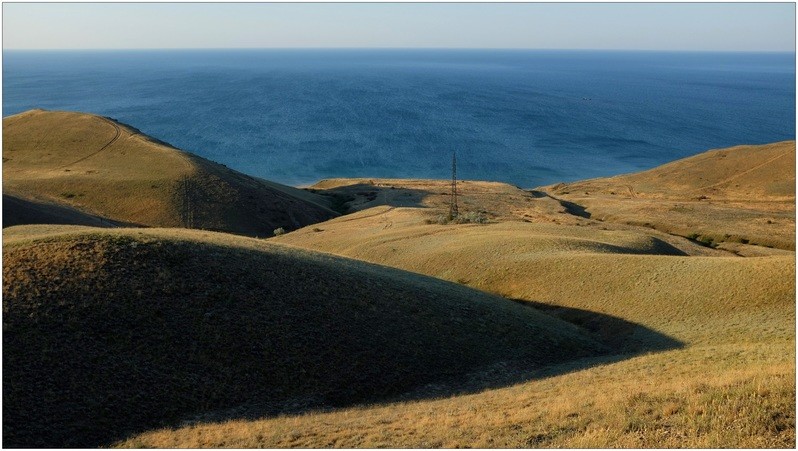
<point>524,117</point>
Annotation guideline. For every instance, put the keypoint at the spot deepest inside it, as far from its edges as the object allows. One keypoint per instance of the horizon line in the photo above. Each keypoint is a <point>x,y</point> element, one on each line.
<point>104,49</point>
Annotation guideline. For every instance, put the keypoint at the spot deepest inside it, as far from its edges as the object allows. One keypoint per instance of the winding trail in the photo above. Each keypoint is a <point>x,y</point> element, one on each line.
<point>740,174</point>
<point>118,133</point>
<point>367,216</point>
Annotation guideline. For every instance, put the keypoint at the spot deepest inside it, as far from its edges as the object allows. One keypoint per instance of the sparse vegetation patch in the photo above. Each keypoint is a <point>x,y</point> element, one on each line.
<point>471,217</point>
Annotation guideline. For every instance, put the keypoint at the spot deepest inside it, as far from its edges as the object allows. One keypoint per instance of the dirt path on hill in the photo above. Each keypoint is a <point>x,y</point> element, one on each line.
<point>113,140</point>
<point>747,171</point>
<point>367,216</point>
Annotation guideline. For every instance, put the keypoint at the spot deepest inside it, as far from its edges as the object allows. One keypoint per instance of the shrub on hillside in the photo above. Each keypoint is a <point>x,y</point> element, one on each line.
<point>472,217</point>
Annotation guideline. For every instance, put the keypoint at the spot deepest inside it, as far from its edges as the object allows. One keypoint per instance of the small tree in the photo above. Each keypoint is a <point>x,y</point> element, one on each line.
<point>279,231</point>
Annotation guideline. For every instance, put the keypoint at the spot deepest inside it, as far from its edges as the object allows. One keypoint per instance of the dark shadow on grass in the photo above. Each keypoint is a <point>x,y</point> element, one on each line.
<point>360,196</point>
<point>574,209</point>
<point>172,333</point>
<point>570,207</point>
<point>622,340</point>
<point>621,336</point>
<point>19,211</point>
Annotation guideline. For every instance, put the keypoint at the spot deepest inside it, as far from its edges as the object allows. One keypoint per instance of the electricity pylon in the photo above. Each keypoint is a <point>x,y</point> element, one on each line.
<point>453,205</point>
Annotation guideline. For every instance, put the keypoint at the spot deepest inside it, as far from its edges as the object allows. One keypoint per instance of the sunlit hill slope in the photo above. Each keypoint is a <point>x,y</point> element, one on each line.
<point>106,169</point>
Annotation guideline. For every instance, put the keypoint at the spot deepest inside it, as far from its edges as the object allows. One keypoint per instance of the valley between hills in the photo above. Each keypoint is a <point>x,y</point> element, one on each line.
<point>148,302</point>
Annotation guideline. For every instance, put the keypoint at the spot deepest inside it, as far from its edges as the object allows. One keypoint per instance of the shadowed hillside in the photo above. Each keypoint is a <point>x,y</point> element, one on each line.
<point>18,211</point>
<point>104,168</point>
<point>108,332</point>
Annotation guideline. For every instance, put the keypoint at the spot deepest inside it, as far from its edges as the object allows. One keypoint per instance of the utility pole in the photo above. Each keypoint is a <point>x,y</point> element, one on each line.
<point>453,205</point>
<point>187,210</point>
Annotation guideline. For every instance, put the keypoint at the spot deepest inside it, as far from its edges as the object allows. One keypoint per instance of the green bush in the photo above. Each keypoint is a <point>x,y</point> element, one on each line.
<point>471,217</point>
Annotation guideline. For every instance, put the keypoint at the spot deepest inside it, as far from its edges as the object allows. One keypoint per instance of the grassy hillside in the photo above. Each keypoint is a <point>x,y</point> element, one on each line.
<point>731,384</point>
<point>729,197</point>
<point>620,273</point>
<point>747,173</point>
<point>104,168</point>
<point>17,211</point>
<point>496,201</point>
<point>614,332</point>
<point>427,202</point>
<point>110,332</point>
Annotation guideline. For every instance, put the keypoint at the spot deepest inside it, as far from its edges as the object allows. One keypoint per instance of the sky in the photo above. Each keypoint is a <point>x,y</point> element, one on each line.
<point>620,26</point>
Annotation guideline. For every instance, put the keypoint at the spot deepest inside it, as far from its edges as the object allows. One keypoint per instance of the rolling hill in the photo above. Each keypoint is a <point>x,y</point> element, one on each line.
<point>622,273</point>
<point>648,310</point>
<point>731,384</point>
<point>110,332</point>
<point>728,197</point>
<point>110,170</point>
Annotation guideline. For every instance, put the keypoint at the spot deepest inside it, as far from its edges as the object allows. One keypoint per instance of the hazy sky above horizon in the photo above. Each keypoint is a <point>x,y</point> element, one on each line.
<point>622,26</point>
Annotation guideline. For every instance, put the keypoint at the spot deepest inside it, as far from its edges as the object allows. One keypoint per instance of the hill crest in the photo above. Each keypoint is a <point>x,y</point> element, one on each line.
<point>105,168</point>
<point>112,331</point>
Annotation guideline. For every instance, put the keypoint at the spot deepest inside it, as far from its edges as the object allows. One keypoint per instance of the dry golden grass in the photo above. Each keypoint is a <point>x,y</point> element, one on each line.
<point>655,401</point>
<point>745,173</point>
<point>731,385</point>
<point>618,273</point>
<point>498,201</point>
<point>104,168</point>
<point>743,194</point>
<point>109,332</point>
<point>701,341</point>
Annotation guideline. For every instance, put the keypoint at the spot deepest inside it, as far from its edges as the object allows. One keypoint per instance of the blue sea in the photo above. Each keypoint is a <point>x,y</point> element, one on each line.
<point>520,116</point>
